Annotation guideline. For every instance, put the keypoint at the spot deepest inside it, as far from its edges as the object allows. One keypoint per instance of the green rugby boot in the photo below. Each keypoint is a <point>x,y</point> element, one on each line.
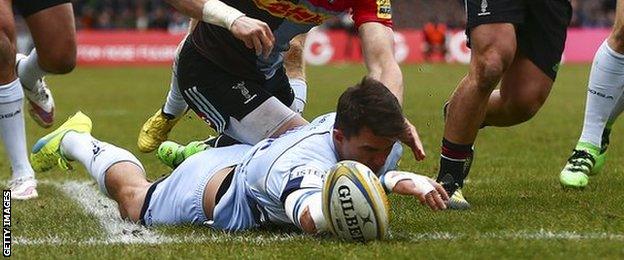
<point>604,145</point>
<point>46,153</point>
<point>580,165</point>
<point>173,154</point>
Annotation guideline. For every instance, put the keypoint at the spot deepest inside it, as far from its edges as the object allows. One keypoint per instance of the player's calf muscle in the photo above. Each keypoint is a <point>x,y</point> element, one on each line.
<point>7,58</point>
<point>59,62</point>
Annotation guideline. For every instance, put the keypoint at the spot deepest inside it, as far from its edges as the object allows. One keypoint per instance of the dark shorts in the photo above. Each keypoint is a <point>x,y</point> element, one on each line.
<point>29,7</point>
<point>541,26</point>
<point>216,94</point>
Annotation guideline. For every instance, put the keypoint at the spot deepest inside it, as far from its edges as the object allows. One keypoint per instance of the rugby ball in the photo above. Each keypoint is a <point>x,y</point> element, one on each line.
<point>355,204</point>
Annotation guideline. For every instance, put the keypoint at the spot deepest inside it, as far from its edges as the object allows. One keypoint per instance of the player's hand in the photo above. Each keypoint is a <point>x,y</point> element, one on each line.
<point>255,34</point>
<point>411,139</point>
<point>427,191</point>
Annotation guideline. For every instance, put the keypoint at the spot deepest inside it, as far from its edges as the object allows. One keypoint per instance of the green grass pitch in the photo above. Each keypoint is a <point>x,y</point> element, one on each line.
<point>519,209</point>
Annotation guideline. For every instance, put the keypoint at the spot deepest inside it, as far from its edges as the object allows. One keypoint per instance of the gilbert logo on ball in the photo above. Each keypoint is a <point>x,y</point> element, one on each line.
<point>355,204</point>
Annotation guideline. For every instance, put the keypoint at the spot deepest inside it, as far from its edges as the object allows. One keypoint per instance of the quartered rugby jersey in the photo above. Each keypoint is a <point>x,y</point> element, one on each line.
<point>287,19</point>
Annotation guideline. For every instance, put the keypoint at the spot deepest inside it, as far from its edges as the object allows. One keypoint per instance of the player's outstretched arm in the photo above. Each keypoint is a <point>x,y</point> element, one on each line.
<point>254,33</point>
<point>427,191</point>
<point>378,49</point>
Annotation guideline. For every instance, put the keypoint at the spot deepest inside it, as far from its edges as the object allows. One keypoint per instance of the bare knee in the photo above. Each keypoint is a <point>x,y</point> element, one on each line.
<point>7,54</point>
<point>616,39</point>
<point>488,69</point>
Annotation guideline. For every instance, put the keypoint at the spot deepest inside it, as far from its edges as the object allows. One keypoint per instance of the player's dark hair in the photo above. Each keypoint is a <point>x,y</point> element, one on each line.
<point>369,104</point>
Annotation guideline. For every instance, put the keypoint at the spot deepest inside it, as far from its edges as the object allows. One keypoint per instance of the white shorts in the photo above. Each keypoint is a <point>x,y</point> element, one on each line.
<point>178,198</point>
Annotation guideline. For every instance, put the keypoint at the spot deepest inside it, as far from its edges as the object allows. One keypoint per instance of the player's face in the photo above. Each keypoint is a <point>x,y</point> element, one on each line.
<point>364,147</point>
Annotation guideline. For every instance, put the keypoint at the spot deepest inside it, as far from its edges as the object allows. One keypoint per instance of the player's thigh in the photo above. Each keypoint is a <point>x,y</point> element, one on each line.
<point>525,86</point>
<point>541,38</point>
<point>491,34</point>
<point>7,43</point>
<point>178,198</point>
<point>238,107</point>
<point>54,34</point>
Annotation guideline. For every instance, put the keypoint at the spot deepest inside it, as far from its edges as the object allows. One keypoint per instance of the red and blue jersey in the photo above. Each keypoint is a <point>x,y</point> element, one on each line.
<point>287,19</point>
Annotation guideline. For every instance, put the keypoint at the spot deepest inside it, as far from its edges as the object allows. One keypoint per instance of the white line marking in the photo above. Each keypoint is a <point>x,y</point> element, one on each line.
<point>124,232</point>
<point>197,238</point>
<point>192,238</point>
<point>105,210</point>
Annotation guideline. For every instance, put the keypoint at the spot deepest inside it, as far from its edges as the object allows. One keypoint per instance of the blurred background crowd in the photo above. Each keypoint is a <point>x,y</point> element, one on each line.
<point>158,15</point>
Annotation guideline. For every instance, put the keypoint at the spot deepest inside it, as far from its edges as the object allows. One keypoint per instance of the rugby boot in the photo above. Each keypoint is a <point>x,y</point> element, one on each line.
<point>173,154</point>
<point>155,131</point>
<point>580,165</point>
<point>40,100</point>
<point>46,153</point>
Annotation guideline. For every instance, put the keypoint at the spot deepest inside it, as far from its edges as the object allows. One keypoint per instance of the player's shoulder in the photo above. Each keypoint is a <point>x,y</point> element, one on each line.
<point>325,121</point>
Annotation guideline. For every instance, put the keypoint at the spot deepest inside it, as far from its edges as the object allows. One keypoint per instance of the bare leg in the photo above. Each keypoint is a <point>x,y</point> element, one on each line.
<point>523,91</point>
<point>7,43</point>
<point>295,70</point>
<point>119,173</point>
<point>126,184</point>
<point>54,33</point>
<point>493,51</point>
<point>493,48</point>
<point>12,128</point>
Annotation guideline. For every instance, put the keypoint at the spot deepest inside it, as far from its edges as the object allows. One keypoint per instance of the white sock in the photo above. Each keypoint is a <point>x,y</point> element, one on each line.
<point>12,128</point>
<point>606,83</point>
<point>29,71</point>
<point>617,111</point>
<point>175,104</point>
<point>95,155</point>
<point>300,89</point>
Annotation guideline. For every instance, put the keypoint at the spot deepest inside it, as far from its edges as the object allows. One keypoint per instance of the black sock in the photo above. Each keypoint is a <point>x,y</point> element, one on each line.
<point>167,115</point>
<point>221,141</point>
<point>455,162</point>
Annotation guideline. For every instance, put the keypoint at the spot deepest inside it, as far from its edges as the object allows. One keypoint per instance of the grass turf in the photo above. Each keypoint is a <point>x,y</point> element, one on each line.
<point>513,185</point>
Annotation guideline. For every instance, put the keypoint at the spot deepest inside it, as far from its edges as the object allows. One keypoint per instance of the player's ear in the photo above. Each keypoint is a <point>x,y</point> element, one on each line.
<point>338,136</point>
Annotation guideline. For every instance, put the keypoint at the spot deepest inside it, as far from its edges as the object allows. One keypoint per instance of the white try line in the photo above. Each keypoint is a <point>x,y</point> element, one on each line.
<point>192,238</point>
<point>119,231</point>
<point>105,210</point>
<point>199,238</point>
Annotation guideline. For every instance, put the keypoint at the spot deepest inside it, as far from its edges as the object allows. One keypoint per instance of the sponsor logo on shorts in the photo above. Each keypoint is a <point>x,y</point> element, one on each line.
<point>384,9</point>
<point>484,6</point>
<point>291,11</point>
<point>244,91</point>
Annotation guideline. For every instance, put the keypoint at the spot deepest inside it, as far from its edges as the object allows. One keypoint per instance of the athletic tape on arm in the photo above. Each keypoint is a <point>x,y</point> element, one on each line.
<point>220,14</point>
<point>391,178</point>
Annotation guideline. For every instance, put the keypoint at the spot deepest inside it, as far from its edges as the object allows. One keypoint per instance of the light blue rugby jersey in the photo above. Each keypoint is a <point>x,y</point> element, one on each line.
<point>276,167</point>
<point>256,193</point>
